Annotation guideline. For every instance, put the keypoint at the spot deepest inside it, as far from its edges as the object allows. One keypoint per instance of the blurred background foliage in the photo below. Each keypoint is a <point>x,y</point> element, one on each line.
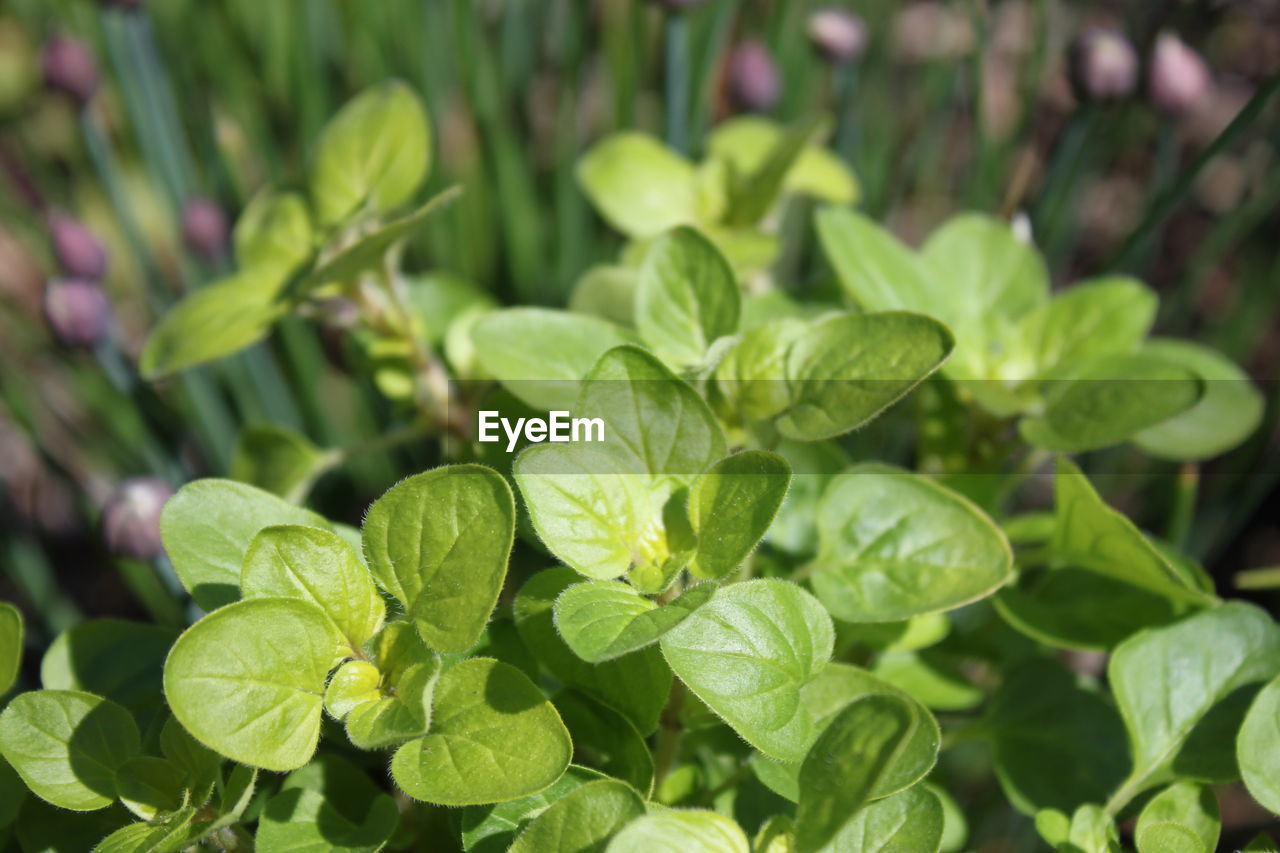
<point>154,124</point>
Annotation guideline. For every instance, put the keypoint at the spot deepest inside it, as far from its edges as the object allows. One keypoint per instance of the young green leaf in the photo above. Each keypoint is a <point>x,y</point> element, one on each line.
<point>150,787</point>
<point>1258,747</point>
<point>215,321</point>
<point>680,831</point>
<point>541,356</point>
<point>67,745</point>
<point>752,375</point>
<point>1226,415</point>
<point>329,806</point>
<point>10,645</point>
<point>200,766</point>
<point>274,231</point>
<point>603,620</point>
<point>895,545</point>
<point>908,822</point>
<point>747,653</point>
<point>746,142</point>
<point>374,153</point>
<point>1057,745</point>
<point>583,821</point>
<point>687,297</point>
<point>851,367</point>
<point>315,565</point>
<point>931,677</point>
<point>177,832</point>
<point>635,684</point>
<point>877,271</point>
<point>1182,818</point>
<point>606,739</point>
<point>1093,319</point>
<point>1091,535</point>
<point>277,459</point>
<point>439,543</point>
<point>638,185</point>
<point>846,763</point>
<point>389,701</point>
<point>607,291</point>
<point>1179,689</point>
<point>731,507</point>
<point>490,829</point>
<point>1110,400</point>
<point>248,680</point>
<point>494,737</point>
<point>207,528</point>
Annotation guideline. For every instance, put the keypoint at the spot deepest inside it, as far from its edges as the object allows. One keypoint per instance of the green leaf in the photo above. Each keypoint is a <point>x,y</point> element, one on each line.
<point>607,291</point>
<point>490,829</point>
<point>931,677</point>
<point>67,745</point>
<point>583,821</point>
<point>1180,690</point>
<point>374,153</point>
<point>176,833</point>
<point>753,194</point>
<point>747,653</point>
<point>111,658</point>
<point>215,321</point>
<point>606,739</point>
<point>1091,535</point>
<point>752,375</point>
<point>1110,400</point>
<point>1090,320</point>
<point>329,806</point>
<point>746,143</point>
<point>13,795</point>
<point>1258,747</point>
<point>687,297</point>
<point>842,769</point>
<point>895,545</point>
<point>207,527</point>
<point>1182,818</point>
<point>680,831</point>
<point>731,507</point>
<point>370,251</point>
<point>1227,414</point>
<point>200,766</point>
<point>877,271</point>
<point>10,645</point>
<point>318,566</point>
<point>635,684</point>
<point>851,367</point>
<point>1089,830</point>
<point>274,231</point>
<point>1262,844</point>
<point>1057,745</point>
<point>439,543</point>
<point>386,702</point>
<point>542,356</point>
<point>907,822</point>
<point>248,680</point>
<point>149,786</point>
<point>603,620</point>
<point>638,185</point>
<point>277,459</point>
<point>776,835</point>
<point>493,737</point>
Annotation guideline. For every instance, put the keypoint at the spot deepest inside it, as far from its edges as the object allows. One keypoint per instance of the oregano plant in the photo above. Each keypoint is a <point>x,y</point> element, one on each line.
<point>724,622</point>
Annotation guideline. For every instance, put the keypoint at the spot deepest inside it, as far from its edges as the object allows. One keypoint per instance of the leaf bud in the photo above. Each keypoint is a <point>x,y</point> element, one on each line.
<point>77,312</point>
<point>131,518</point>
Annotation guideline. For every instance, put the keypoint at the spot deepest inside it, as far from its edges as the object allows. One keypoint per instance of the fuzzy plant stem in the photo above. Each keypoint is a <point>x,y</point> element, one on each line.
<point>676,36</point>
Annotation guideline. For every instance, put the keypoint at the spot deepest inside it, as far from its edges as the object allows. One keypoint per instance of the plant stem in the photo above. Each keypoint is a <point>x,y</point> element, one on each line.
<point>677,56</point>
<point>1186,486</point>
<point>668,746</point>
<point>1169,200</point>
<point>1268,578</point>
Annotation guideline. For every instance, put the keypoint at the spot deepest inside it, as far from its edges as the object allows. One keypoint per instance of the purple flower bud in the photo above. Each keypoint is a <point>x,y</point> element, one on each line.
<point>77,312</point>
<point>204,228</point>
<point>753,77</point>
<point>131,518</point>
<point>838,34</point>
<point>78,252</point>
<point>1179,80</point>
<point>1104,65</point>
<point>69,67</point>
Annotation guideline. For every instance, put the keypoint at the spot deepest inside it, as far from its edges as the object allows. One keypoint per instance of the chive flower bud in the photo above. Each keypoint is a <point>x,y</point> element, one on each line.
<point>69,67</point>
<point>1104,65</point>
<point>204,228</point>
<point>131,518</point>
<point>753,80</point>
<point>77,312</point>
<point>838,34</point>
<point>1178,79</point>
<point>78,251</point>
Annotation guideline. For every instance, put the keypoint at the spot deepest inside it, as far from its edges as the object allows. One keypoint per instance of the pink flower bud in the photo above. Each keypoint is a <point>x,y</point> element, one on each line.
<point>77,312</point>
<point>838,34</point>
<point>753,77</point>
<point>131,518</point>
<point>1178,79</point>
<point>1104,65</point>
<point>78,252</point>
<point>204,228</point>
<point>69,67</point>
